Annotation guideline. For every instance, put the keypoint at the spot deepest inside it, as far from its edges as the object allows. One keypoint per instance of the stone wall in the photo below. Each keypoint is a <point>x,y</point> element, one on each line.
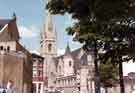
<point>12,67</point>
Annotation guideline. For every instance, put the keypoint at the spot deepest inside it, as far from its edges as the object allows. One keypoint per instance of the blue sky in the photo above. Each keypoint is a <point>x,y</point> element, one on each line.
<point>30,18</point>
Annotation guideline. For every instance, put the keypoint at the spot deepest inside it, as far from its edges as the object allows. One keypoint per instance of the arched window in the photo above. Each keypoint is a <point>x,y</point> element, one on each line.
<point>70,63</point>
<point>1,47</point>
<point>49,47</point>
<point>8,48</point>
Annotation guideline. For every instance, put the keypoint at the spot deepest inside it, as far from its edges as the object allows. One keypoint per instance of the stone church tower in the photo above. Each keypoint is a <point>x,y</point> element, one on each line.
<point>48,48</point>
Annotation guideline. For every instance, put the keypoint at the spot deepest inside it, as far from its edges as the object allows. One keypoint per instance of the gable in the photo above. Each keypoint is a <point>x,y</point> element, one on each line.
<point>8,30</point>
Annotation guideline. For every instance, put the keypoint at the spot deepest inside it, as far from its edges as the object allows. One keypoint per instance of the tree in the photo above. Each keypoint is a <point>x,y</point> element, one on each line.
<point>103,24</point>
<point>108,75</point>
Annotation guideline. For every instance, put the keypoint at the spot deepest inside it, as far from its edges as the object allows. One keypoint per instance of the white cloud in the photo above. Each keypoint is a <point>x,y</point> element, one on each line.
<point>28,32</point>
<point>60,51</point>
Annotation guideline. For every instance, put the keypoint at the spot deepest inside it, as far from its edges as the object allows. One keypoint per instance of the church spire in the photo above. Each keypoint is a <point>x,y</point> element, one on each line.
<point>67,51</point>
<point>49,23</point>
<point>14,16</point>
<point>48,36</point>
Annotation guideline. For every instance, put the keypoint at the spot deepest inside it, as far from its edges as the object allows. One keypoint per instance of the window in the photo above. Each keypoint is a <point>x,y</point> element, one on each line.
<point>8,48</point>
<point>39,73</point>
<point>34,72</point>
<point>60,69</point>
<point>70,63</point>
<point>49,47</point>
<point>39,87</point>
<point>1,47</point>
<point>89,57</point>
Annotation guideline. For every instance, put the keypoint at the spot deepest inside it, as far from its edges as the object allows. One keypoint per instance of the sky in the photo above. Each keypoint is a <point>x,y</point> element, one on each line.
<point>30,18</point>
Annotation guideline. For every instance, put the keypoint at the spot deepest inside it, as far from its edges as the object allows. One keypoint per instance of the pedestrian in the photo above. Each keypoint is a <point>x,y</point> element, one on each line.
<point>4,91</point>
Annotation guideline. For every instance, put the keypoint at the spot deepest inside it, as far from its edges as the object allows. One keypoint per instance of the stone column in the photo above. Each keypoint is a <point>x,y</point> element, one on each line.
<point>83,79</point>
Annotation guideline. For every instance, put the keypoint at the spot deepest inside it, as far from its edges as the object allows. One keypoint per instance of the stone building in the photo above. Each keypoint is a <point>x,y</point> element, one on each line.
<point>15,60</point>
<point>37,73</point>
<point>129,81</point>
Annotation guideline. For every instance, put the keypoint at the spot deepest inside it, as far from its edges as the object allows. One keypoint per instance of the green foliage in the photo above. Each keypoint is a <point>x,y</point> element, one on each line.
<point>108,74</point>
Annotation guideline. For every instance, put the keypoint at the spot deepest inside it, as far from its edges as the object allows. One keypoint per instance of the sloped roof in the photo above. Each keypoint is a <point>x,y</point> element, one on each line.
<point>3,22</point>
<point>11,32</point>
<point>78,61</point>
<point>67,52</point>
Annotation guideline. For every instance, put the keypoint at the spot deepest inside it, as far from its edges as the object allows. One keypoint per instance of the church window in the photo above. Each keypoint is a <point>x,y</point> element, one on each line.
<point>70,63</point>
<point>60,69</point>
<point>50,47</point>
<point>1,48</point>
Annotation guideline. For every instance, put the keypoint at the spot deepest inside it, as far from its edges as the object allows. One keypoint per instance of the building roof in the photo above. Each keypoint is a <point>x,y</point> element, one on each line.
<point>67,51</point>
<point>79,56</point>
<point>8,29</point>
<point>3,22</point>
<point>37,56</point>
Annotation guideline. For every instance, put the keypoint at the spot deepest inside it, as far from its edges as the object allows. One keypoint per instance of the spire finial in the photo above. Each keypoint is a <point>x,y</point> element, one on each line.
<point>14,16</point>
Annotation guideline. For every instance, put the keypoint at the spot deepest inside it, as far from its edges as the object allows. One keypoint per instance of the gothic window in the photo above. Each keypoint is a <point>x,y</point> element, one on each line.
<point>70,63</point>
<point>49,47</point>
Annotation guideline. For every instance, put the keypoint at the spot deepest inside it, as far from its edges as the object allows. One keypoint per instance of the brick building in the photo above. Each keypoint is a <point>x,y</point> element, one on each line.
<point>37,73</point>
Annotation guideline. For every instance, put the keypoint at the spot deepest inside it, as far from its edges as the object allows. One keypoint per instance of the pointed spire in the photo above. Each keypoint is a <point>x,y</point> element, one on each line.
<point>49,23</point>
<point>67,51</point>
<point>14,16</point>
